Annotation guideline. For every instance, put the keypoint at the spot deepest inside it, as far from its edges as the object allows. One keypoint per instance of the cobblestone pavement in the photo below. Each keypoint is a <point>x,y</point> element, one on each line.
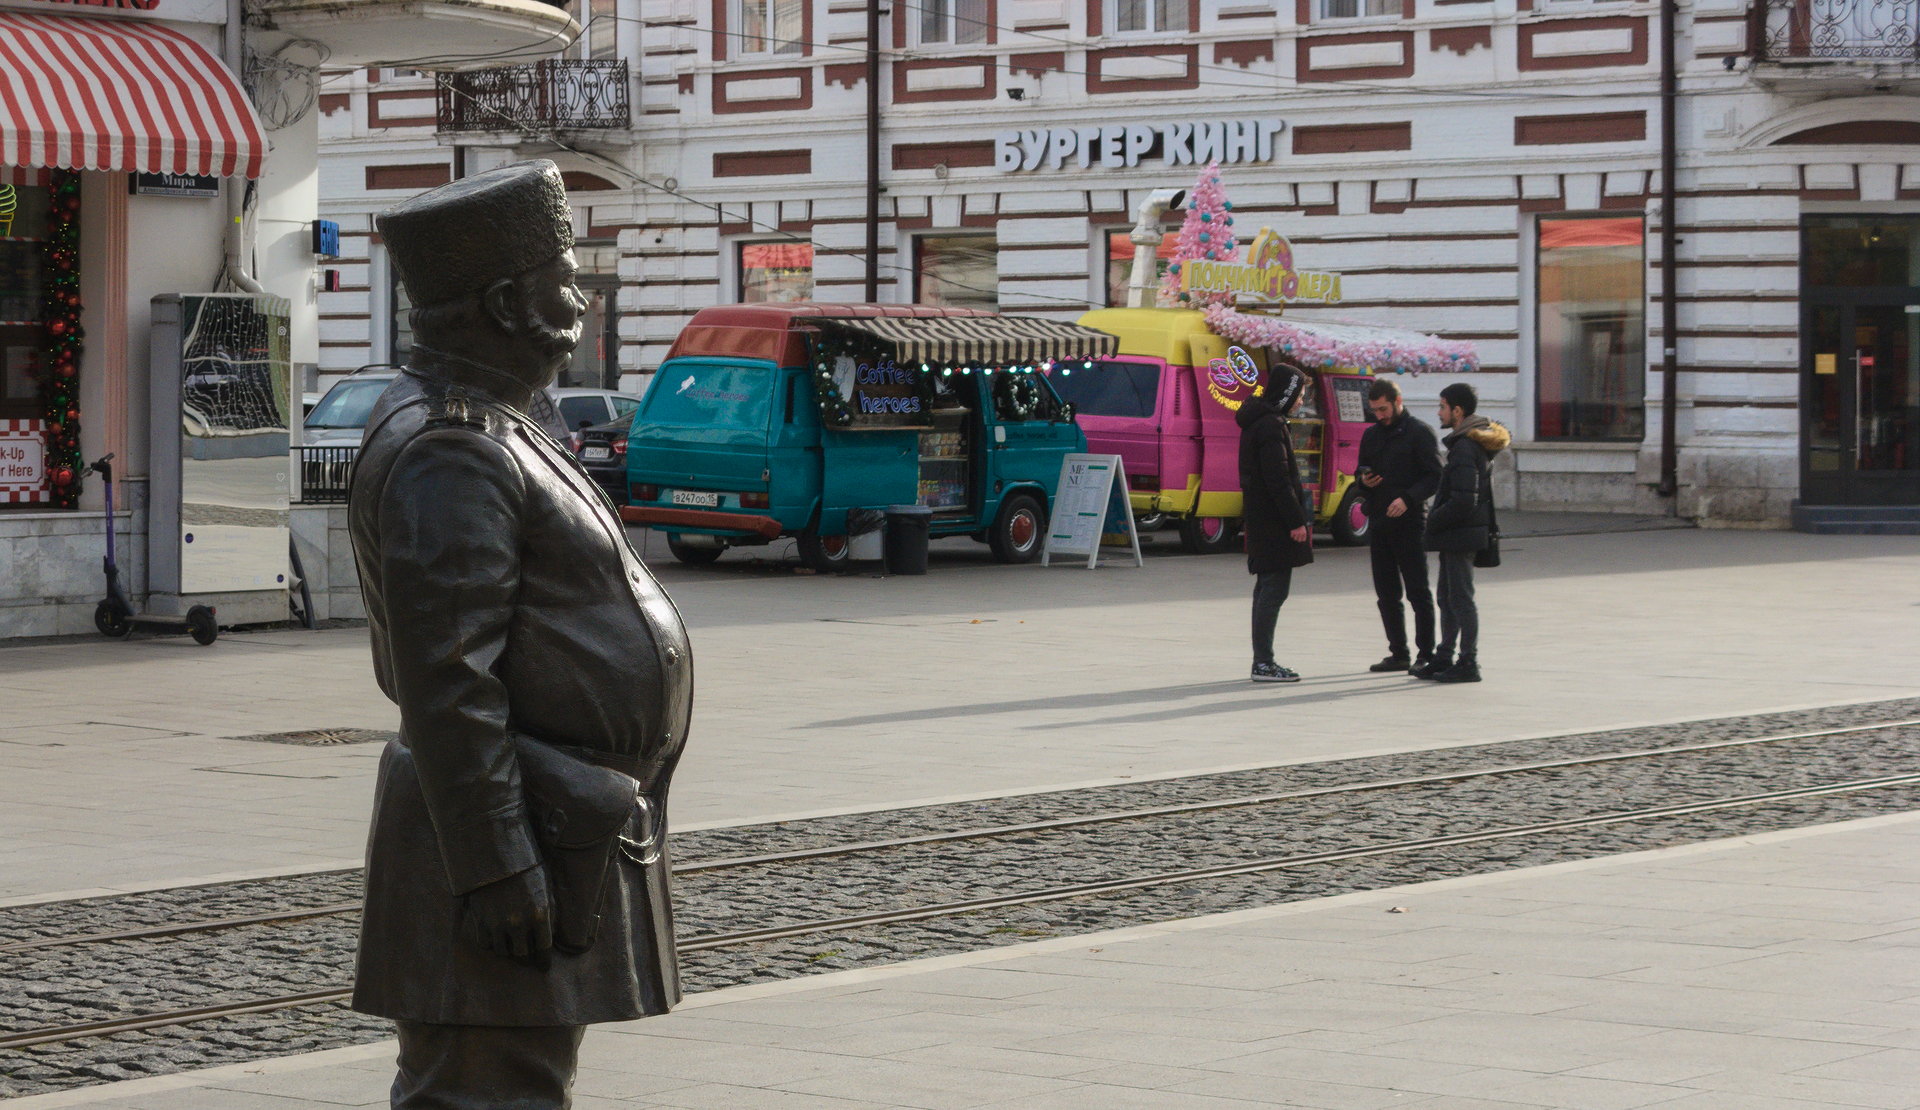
<point>52,986</point>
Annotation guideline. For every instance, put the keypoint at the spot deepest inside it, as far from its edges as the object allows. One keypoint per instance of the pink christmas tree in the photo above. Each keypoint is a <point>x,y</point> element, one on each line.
<point>1206,235</point>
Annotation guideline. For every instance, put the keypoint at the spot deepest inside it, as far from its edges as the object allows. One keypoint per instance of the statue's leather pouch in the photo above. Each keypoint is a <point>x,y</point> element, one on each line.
<point>581,812</point>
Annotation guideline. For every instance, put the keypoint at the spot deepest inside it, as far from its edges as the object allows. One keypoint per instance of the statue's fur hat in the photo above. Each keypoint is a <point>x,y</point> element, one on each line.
<point>455,240</point>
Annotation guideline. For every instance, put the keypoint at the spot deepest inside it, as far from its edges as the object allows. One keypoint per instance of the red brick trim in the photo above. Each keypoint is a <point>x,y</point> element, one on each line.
<point>1594,127</point>
<point>1270,13</point>
<point>1244,52</point>
<point>1349,138</point>
<point>420,175</point>
<point>1862,132</point>
<point>1097,82</point>
<point>1037,64</point>
<point>1460,40</point>
<point>1305,73</point>
<point>725,107</point>
<point>413,102</point>
<point>925,156</point>
<point>846,75</point>
<point>335,102</point>
<point>761,163</point>
<point>580,181</point>
<point>987,91</point>
<point>1636,55</point>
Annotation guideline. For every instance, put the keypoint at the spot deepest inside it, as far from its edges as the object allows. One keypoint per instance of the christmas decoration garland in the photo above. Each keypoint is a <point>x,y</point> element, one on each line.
<point>59,362</point>
<point>1019,396</point>
<point>835,411</point>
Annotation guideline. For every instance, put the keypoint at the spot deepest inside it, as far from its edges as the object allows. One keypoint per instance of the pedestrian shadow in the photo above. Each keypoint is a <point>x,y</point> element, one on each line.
<point>1064,701</point>
<point>1256,699</point>
<point>1180,702</point>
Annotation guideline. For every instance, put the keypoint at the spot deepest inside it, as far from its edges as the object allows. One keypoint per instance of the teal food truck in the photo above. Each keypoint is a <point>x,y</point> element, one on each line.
<point>809,420</point>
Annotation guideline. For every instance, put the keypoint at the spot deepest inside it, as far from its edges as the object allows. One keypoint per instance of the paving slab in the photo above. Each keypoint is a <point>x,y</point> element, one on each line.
<point>1105,1021</point>
<point>118,770</point>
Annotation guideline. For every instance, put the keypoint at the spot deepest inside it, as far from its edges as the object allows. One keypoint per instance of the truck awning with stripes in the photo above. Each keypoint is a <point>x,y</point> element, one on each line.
<point>118,94</point>
<point>986,340</point>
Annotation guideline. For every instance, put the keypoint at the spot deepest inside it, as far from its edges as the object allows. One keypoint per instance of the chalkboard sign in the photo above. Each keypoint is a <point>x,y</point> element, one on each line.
<point>1090,504</point>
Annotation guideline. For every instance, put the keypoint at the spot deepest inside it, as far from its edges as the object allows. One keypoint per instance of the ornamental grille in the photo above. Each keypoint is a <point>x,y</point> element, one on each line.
<point>559,95</point>
<point>1840,30</point>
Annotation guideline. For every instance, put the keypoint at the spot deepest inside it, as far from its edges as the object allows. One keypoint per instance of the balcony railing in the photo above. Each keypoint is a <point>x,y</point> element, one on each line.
<point>1838,30</point>
<point>544,97</point>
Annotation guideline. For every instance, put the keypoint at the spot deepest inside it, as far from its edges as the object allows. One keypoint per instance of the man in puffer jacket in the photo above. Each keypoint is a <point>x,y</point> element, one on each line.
<point>1459,526</point>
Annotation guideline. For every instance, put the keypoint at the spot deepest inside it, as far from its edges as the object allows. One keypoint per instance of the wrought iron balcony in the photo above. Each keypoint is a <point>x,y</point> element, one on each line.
<point>1885,31</point>
<point>537,99</point>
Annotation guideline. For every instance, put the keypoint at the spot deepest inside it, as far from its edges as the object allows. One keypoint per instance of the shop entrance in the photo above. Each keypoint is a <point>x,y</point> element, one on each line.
<point>1860,362</point>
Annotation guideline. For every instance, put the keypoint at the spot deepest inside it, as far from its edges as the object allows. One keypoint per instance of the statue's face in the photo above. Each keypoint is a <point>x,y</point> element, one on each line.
<point>553,307</point>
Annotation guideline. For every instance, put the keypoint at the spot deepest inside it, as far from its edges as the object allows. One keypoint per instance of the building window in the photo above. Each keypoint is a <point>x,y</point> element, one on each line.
<point>952,21</point>
<point>961,271</point>
<point>775,272</point>
<point>599,29</point>
<point>23,226</point>
<point>1128,17</point>
<point>1590,318</point>
<point>1359,9</point>
<point>769,26</point>
<point>1120,265</point>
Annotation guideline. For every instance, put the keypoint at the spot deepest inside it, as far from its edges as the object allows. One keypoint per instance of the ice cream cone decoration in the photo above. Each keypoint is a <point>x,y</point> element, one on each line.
<point>9,202</point>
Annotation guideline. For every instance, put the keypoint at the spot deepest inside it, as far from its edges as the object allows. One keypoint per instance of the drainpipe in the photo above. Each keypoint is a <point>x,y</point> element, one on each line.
<point>235,271</point>
<point>1669,265</point>
<point>873,151</point>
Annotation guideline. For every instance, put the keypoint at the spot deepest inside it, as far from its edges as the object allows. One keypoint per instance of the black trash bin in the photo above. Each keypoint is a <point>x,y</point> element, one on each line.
<point>907,530</point>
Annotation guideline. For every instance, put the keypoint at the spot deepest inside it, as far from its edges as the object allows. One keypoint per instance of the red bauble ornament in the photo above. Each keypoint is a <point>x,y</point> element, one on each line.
<point>62,477</point>
<point>73,413</point>
<point>65,370</point>
<point>57,327</point>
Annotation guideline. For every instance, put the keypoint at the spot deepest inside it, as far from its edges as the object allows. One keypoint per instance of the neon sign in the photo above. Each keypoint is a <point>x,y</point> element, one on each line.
<point>1267,275</point>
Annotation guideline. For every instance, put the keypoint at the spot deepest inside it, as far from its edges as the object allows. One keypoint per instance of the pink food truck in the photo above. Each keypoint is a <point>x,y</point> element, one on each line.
<point>1165,404</point>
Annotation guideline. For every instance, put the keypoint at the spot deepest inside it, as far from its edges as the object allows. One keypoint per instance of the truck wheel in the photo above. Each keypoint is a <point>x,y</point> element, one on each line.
<point>694,555</point>
<point>1149,522</point>
<point>1208,535</point>
<point>826,554</point>
<point>1350,523</point>
<point>1019,529</point>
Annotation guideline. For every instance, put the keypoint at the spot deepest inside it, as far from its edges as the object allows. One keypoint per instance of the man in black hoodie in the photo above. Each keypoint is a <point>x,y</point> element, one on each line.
<point>1460,526</point>
<point>1400,469</point>
<point>1277,517</point>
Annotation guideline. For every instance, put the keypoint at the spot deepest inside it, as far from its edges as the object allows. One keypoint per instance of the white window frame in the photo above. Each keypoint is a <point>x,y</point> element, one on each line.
<point>1322,15</point>
<point>737,16</point>
<point>1112,15</point>
<point>949,16</point>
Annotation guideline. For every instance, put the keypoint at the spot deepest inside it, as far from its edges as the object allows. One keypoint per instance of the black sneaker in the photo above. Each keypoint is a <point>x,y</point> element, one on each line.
<point>1391,663</point>
<point>1466,670</point>
<point>1428,666</point>
<point>1272,672</point>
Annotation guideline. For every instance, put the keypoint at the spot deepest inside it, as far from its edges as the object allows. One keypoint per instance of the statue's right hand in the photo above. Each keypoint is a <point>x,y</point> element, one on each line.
<point>512,917</point>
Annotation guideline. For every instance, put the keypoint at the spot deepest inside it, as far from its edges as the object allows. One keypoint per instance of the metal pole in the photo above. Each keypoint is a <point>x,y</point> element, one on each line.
<point>873,151</point>
<point>1669,265</point>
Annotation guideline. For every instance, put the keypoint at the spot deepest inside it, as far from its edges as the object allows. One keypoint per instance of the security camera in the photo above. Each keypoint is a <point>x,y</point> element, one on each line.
<point>1015,92</point>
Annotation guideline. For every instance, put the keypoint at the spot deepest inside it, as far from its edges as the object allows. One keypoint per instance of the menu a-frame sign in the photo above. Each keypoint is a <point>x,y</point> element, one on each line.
<point>1091,504</point>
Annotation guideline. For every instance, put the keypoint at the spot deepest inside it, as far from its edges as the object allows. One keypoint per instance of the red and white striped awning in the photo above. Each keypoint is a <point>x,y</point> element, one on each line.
<point>115,94</point>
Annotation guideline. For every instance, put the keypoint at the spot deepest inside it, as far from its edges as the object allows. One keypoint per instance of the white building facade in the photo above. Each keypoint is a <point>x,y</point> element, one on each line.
<point>1486,170</point>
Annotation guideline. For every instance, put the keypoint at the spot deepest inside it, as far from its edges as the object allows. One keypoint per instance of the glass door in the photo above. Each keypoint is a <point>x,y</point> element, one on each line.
<point>1861,409</point>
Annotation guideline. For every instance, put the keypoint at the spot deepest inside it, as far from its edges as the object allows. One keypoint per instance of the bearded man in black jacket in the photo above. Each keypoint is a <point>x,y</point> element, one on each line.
<point>1400,468</point>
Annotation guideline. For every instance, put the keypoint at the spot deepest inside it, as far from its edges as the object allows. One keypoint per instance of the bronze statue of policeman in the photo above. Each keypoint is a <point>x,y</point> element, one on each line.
<point>517,875</point>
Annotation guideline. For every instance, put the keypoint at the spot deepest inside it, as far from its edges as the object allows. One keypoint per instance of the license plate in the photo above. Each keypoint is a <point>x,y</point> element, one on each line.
<point>695,497</point>
<point>596,454</point>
